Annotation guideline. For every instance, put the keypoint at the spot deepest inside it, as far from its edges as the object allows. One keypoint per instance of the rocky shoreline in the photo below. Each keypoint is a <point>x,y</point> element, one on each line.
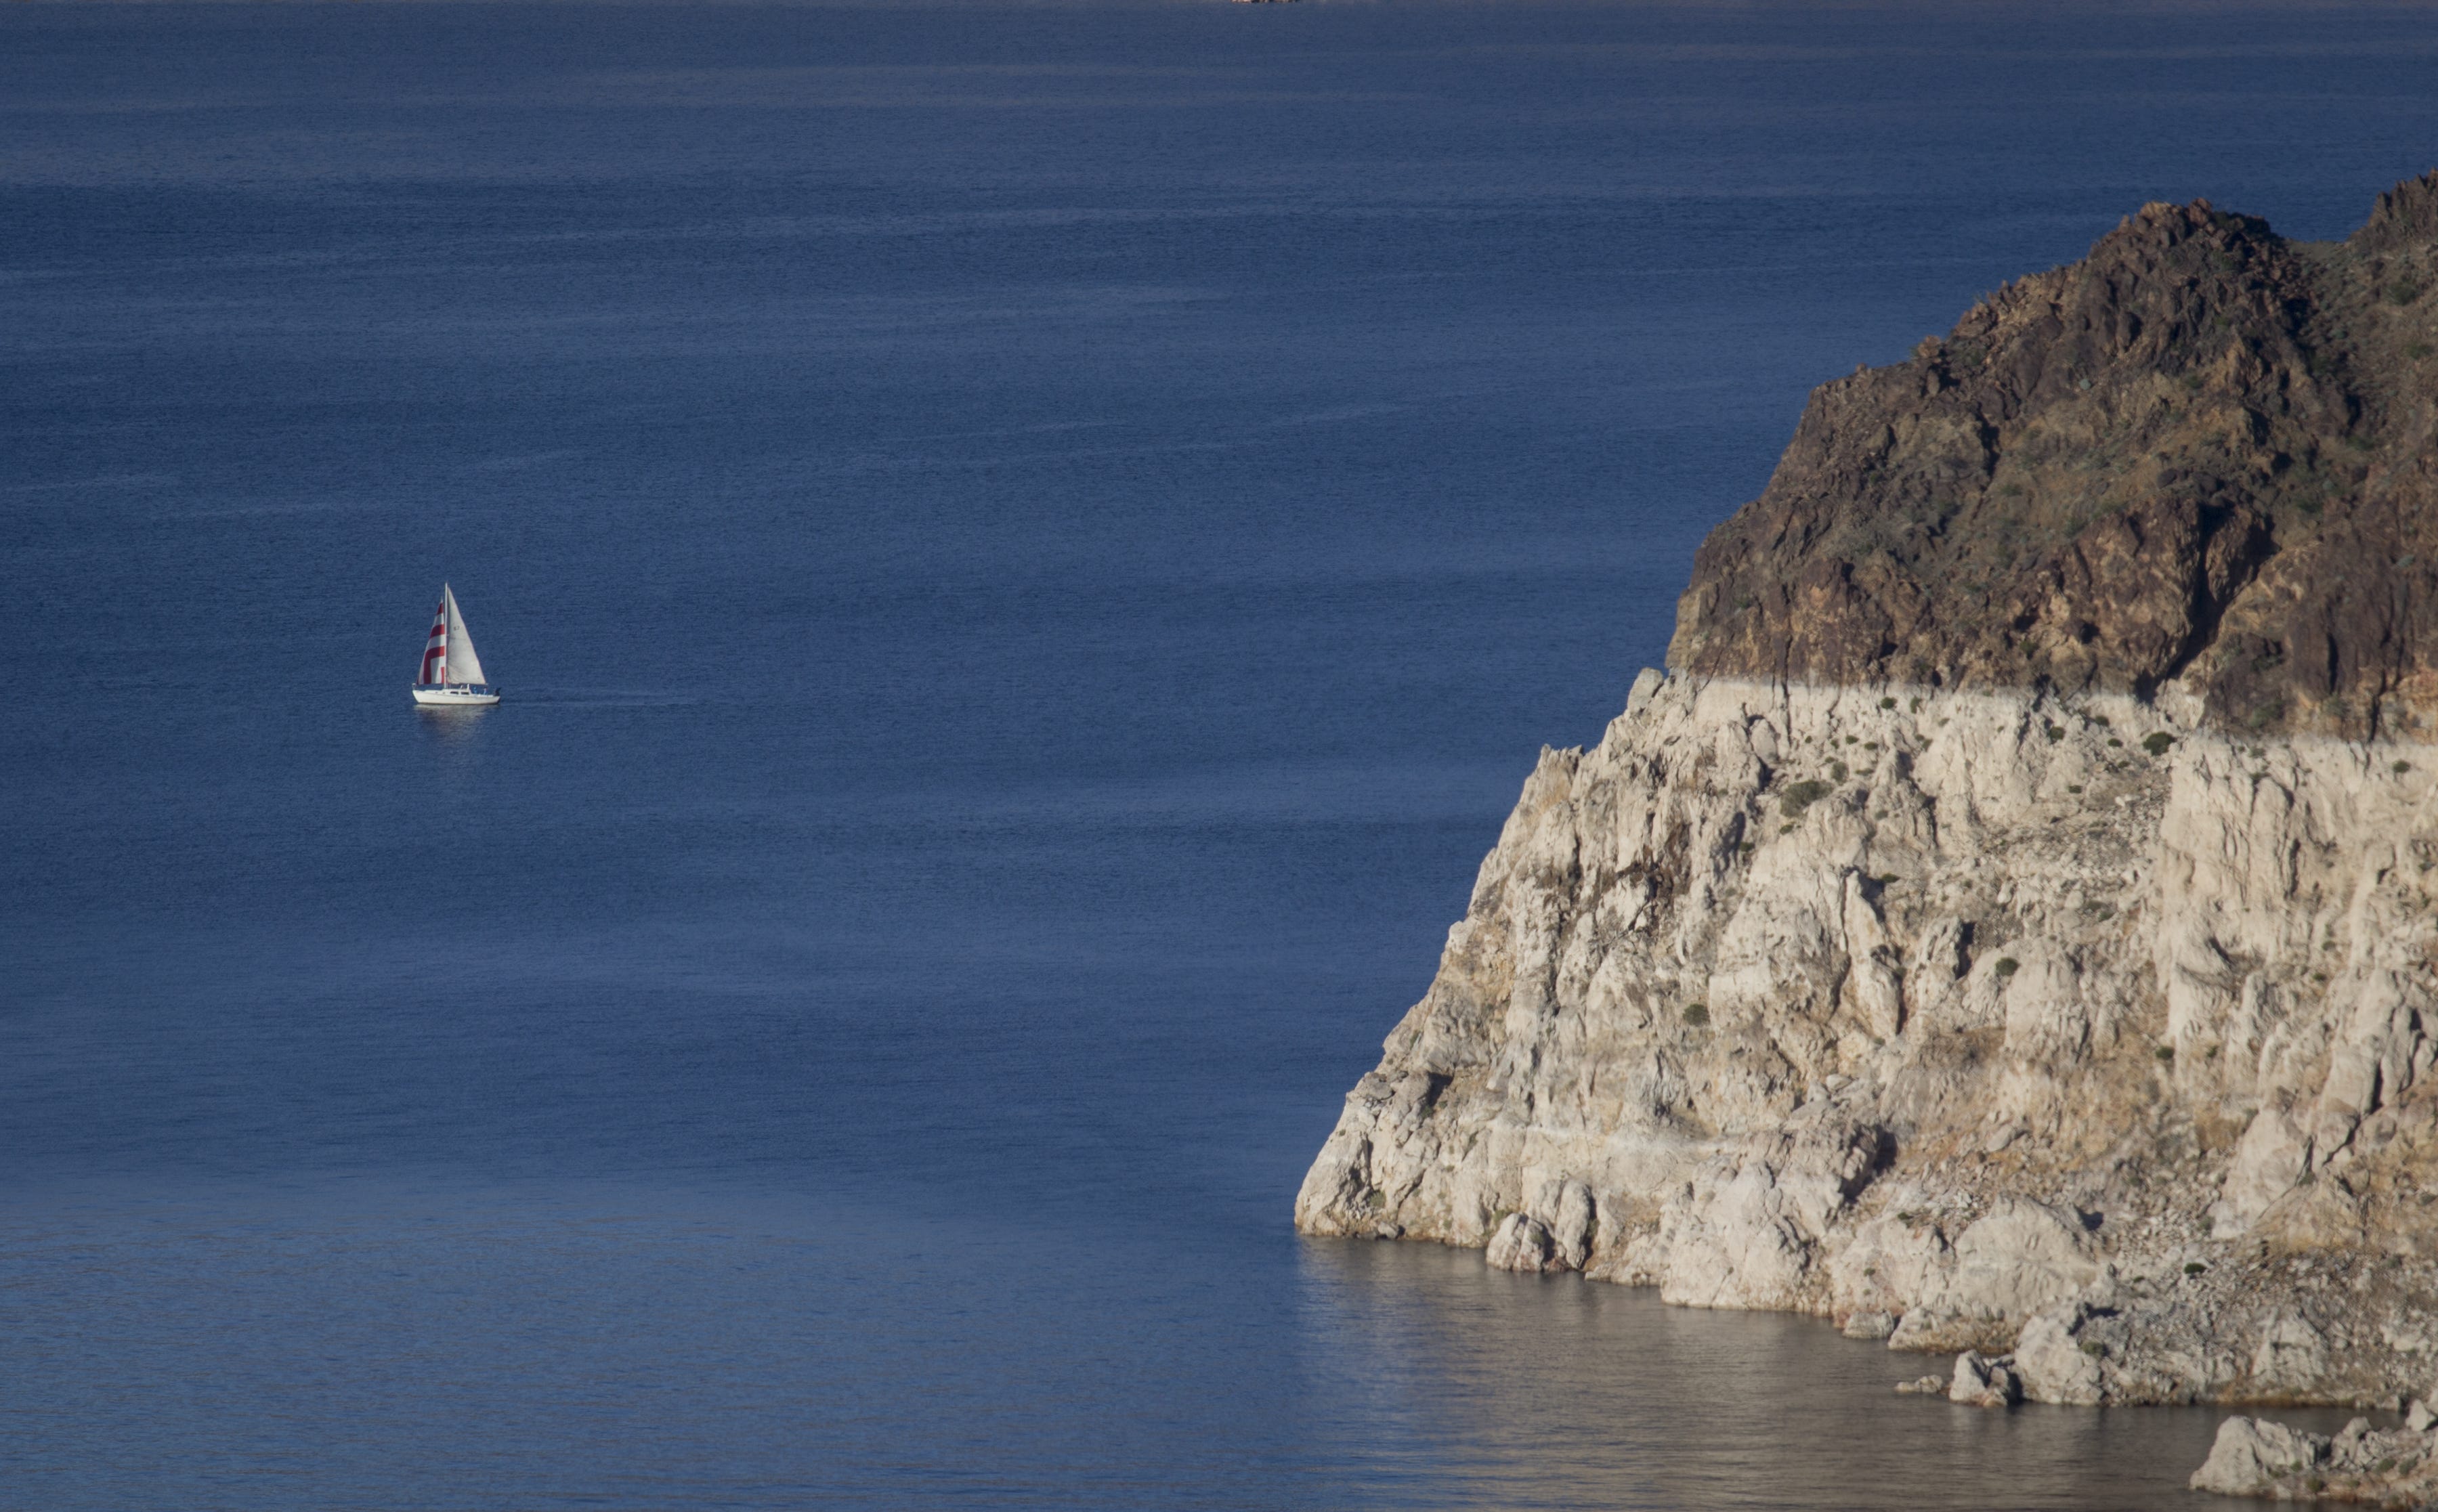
<point>2011,929</point>
<point>2058,1029</point>
<point>2254,1457</point>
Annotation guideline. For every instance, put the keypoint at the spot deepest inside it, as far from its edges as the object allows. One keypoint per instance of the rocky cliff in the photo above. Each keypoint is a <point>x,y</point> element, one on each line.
<point>2203,453</point>
<point>2009,926</point>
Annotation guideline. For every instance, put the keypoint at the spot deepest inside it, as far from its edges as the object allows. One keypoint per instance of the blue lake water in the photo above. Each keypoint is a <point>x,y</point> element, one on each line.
<point>1030,548</point>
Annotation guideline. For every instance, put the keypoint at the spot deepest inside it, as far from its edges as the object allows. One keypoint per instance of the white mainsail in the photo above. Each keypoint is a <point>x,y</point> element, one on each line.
<point>464,665</point>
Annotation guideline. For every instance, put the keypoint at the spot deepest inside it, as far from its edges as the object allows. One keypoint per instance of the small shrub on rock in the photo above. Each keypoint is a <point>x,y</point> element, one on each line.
<point>1697,1014</point>
<point>1801,796</point>
<point>2157,741</point>
<point>2007,966</point>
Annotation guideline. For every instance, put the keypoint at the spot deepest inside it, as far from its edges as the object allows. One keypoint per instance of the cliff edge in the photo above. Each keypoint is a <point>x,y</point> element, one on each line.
<point>2009,928</point>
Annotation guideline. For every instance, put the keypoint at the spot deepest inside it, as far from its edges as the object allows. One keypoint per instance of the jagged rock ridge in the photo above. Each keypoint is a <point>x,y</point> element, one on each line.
<point>2202,452</point>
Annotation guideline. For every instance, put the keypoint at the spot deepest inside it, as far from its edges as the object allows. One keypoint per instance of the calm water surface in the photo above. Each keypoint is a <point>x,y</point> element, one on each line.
<point>1030,549</point>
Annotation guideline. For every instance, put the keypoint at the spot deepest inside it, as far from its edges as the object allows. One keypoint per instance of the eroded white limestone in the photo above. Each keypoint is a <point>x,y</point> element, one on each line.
<point>1963,1010</point>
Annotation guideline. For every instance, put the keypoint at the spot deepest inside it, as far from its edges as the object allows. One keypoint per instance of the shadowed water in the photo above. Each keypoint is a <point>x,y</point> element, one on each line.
<point>1029,549</point>
<point>390,1343</point>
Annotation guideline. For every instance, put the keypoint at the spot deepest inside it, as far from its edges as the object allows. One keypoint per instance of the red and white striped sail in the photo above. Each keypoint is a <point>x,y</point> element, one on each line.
<point>449,651</point>
<point>436,647</point>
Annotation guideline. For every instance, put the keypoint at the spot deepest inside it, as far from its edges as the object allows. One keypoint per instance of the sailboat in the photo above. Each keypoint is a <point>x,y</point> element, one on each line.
<point>451,674</point>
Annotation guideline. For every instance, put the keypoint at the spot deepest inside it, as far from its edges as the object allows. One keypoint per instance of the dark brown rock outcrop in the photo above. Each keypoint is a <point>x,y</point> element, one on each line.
<point>2203,452</point>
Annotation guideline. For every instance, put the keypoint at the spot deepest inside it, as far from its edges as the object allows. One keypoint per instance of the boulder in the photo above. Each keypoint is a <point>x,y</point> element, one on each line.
<point>2253,1456</point>
<point>1981,1381</point>
<point>2258,1458</point>
<point>2053,1364</point>
<point>2020,1257</point>
<point>1522,1243</point>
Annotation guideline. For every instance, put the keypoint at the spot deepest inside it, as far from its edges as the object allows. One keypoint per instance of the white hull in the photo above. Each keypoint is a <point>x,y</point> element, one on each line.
<point>455,695</point>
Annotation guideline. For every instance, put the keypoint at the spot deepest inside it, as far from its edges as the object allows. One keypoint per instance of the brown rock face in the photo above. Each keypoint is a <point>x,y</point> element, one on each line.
<point>2203,452</point>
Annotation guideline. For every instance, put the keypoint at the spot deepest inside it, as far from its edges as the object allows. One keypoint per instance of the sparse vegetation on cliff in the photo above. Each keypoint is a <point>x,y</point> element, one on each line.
<point>2203,452</point>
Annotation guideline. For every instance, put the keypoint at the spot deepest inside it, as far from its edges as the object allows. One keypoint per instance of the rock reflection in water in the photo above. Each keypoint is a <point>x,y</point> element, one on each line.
<point>1455,1385</point>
